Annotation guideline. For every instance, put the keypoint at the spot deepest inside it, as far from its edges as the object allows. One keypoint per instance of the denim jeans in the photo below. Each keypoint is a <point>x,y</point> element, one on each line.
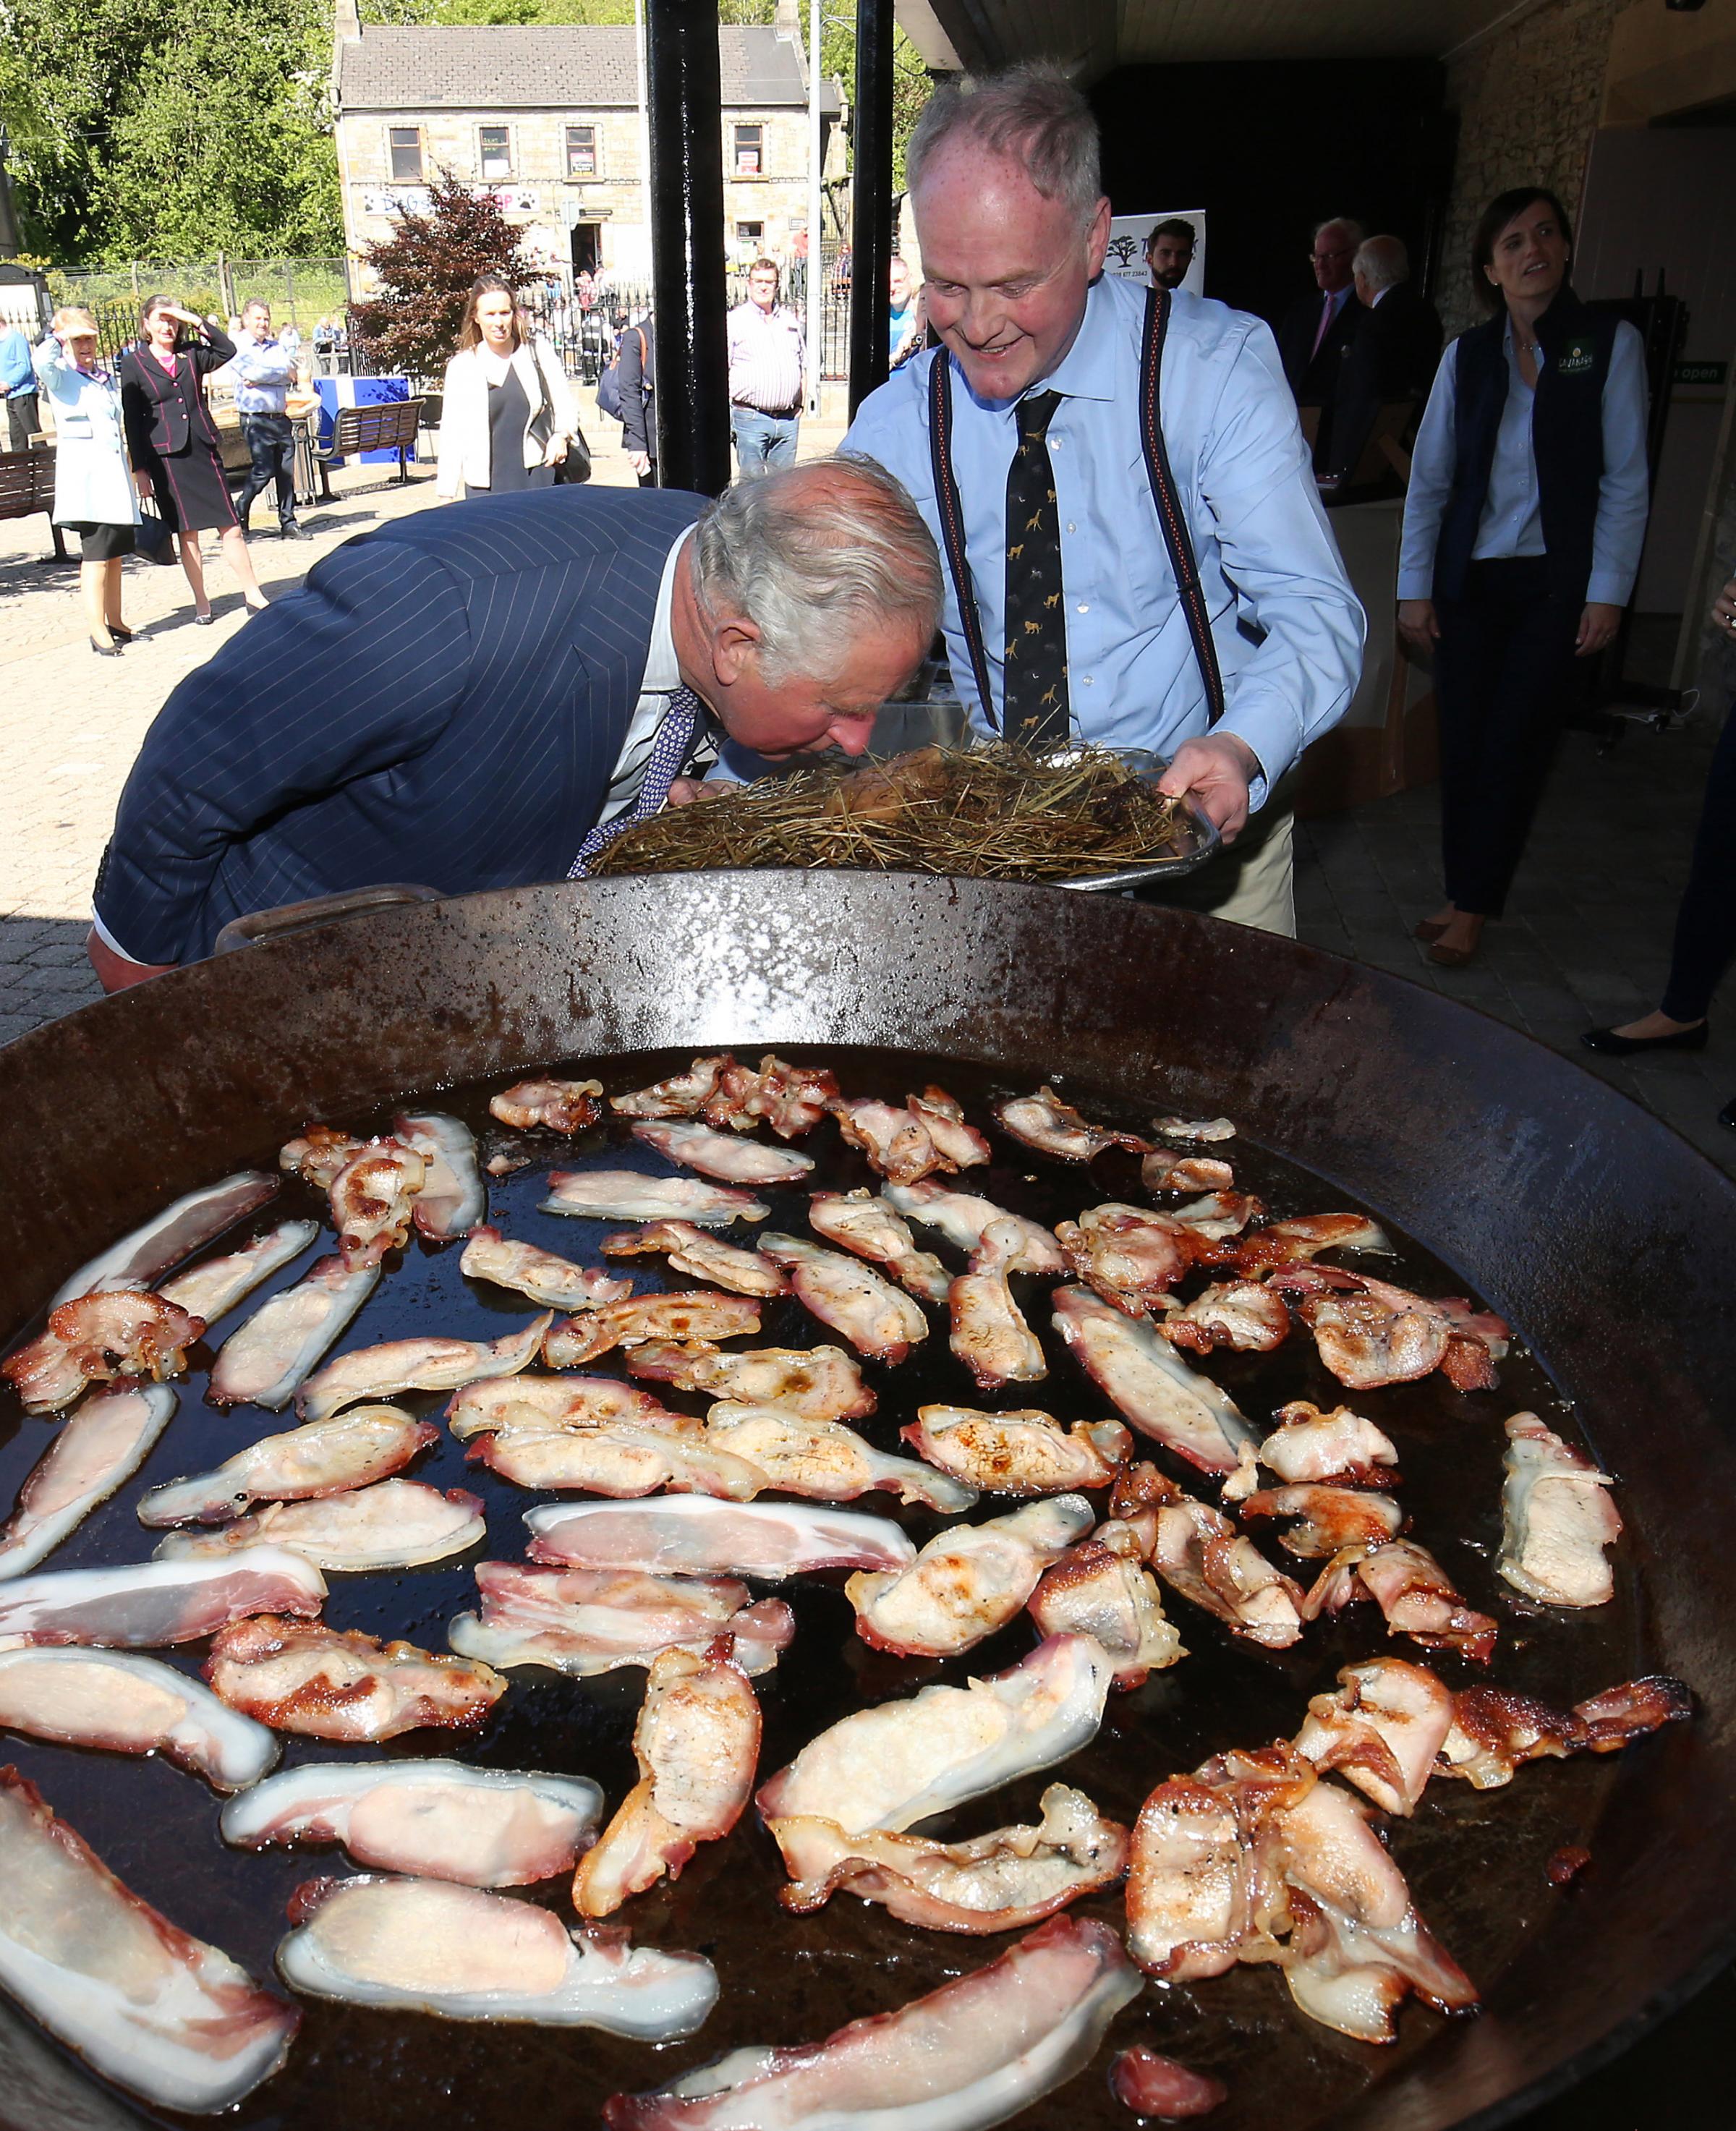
<point>272,443</point>
<point>763,442</point>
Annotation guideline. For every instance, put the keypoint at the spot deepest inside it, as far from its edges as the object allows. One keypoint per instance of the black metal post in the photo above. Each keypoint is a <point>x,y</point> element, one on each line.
<point>871,207</point>
<point>686,192</point>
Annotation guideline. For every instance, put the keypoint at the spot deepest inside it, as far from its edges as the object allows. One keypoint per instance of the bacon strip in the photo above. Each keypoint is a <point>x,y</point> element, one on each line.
<point>974,2051</point>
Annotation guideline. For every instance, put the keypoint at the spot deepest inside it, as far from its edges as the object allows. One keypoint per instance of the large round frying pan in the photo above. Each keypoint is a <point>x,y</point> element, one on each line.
<point>1608,1244</point>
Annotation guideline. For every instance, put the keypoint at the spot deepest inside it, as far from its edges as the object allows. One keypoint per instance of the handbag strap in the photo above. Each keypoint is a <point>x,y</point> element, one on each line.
<point>548,405</point>
<point>1171,518</point>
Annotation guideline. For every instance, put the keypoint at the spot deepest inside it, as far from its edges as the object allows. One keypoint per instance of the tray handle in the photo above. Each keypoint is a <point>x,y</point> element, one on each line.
<point>317,910</point>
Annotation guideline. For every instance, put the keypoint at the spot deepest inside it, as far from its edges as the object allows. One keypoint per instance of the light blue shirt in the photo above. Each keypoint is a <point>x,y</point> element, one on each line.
<point>1287,628</point>
<point>264,372</point>
<point>1512,523</point>
<point>17,372</point>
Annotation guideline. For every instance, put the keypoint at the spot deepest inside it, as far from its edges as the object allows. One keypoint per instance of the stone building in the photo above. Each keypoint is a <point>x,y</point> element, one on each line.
<point>549,119</point>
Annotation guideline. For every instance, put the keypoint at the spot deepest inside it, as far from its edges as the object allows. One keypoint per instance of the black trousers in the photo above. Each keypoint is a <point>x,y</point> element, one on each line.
<point>1705,924</point>
<point>272,443</point>
<point>22,411</point>
<point>1501,672</point>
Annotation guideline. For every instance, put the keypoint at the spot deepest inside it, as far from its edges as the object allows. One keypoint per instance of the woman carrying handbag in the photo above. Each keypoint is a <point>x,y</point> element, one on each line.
<point>508,415</point>
<point>173,441</point>
<point>93,488</point>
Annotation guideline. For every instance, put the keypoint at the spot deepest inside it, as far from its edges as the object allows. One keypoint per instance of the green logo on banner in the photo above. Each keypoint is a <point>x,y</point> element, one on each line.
<point>1576,359</point>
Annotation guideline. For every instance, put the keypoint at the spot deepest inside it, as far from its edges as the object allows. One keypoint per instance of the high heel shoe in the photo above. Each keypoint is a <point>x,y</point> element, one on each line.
<point>203,620</point>
<point>257,606</point>
<point>120,633</point>
<point>105,650</point>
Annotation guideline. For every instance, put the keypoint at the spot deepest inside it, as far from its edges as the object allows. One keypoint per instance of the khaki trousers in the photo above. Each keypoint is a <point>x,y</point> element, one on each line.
<point>1252,882</point>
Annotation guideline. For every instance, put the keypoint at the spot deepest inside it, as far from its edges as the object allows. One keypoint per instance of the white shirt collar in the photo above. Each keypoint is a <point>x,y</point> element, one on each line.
<point>662,670</point>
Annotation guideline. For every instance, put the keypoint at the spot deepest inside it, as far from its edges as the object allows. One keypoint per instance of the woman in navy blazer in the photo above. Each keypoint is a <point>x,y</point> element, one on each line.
<point>173,441</point>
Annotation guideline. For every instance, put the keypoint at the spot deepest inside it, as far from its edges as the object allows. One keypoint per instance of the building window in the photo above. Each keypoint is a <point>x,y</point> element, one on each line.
<point>751,236</point>
<point>582,151</point>
<point>405,144</point>
<point>496,155</point>
<point>749,152</point>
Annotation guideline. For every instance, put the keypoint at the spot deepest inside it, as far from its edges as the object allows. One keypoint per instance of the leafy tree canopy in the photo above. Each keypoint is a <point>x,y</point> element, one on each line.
<point>169,128</point>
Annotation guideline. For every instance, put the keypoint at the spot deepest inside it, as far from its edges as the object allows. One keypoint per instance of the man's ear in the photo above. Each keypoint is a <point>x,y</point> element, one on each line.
<point>734,648</point>
<point>1097,239</point>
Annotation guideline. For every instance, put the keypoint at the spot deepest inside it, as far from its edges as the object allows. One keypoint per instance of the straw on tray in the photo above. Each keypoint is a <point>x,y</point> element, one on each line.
<point>992,812</point>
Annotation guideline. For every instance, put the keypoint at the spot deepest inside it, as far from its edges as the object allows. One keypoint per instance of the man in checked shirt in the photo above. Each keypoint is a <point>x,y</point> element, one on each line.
<point>765,375</point>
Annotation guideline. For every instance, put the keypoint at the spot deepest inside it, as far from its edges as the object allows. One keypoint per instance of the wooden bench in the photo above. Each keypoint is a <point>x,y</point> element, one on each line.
<point>27,485</point>
<point>390,426</point>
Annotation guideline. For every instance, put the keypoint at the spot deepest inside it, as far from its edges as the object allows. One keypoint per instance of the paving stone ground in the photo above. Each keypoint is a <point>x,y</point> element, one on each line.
<point>1586,939</point>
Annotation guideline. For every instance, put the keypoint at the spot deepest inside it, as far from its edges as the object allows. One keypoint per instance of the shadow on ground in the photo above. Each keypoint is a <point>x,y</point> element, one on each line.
<point>43,972</point>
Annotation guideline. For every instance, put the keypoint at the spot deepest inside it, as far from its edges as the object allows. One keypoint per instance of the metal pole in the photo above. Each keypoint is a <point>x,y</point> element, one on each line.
<point>871,207</point>
<point>644,119</point>
<point>816,265</point>
<point>686,102</point>
<point>10,246</point>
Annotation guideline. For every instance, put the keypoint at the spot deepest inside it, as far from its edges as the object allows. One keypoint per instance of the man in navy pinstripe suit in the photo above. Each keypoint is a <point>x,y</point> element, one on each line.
<point>459,698</point>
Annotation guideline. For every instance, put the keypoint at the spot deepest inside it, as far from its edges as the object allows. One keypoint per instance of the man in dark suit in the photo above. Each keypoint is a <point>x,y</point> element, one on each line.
<point>1392,356</point>
<point>1315,331</point>
<point>636,368</point>
<point>465,698</point>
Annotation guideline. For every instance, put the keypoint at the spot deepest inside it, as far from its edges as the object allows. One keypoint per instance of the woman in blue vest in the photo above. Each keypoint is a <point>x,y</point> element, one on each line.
<point>1523,527</point>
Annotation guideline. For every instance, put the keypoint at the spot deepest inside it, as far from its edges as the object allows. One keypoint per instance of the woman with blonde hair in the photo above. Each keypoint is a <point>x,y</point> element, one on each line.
<point>508,415</point>
<point>93,488</point>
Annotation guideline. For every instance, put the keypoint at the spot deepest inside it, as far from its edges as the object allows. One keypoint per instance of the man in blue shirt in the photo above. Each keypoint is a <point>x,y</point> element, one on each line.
<point>17,389</point>
<point>1045,351</point>
<point>264,370</point>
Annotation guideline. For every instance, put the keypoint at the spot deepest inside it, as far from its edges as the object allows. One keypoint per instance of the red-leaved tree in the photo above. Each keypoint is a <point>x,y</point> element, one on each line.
<point>424,270</point>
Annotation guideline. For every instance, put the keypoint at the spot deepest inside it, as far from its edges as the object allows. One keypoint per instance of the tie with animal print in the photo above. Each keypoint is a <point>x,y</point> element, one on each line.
<point>669,751</point>
<point>1035,683</point>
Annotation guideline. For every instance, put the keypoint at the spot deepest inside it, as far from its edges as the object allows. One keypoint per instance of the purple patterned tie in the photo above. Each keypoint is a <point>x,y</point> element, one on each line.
<point>668,752</point>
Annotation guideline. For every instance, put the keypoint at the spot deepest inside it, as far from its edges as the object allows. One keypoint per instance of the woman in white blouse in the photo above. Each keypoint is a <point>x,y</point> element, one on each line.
<point>93,486</point>
<point>508,412</point>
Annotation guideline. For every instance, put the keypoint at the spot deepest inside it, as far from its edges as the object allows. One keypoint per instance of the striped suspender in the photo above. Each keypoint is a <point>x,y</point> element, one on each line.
<point>1169,515</point>
<point>951,524</point>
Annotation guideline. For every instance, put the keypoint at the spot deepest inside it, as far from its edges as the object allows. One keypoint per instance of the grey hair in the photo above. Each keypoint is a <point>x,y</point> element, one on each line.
<point>1032,113</point>
<point>812,564</point>
<point>1352,229</point>
<point>1382,261</point>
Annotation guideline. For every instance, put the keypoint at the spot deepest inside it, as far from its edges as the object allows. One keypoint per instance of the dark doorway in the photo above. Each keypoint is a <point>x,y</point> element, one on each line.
<point>1271,149</point>
<point>587,246</point>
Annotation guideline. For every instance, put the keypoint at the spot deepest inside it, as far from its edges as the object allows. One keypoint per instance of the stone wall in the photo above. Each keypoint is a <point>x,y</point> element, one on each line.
<point>1528,99</point>
<point>543,201</point>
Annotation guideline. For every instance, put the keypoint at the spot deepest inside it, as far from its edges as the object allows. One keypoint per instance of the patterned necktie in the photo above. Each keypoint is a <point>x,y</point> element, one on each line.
<point>668,752</point>
<point>1035,684</point>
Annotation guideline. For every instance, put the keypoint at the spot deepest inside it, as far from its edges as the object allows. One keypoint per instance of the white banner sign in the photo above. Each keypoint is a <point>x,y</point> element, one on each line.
<point>415,199</point>
<point>1127,235</point>
<point>402,199</point>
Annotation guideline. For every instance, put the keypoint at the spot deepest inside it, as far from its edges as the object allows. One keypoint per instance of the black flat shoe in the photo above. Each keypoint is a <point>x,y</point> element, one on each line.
<point>105,650</point>
<point>1609,1045</point>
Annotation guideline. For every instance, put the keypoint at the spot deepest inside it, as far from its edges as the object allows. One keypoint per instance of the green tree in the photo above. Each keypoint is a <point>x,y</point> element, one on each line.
<point>169,128</point>
<point>424,272</point>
